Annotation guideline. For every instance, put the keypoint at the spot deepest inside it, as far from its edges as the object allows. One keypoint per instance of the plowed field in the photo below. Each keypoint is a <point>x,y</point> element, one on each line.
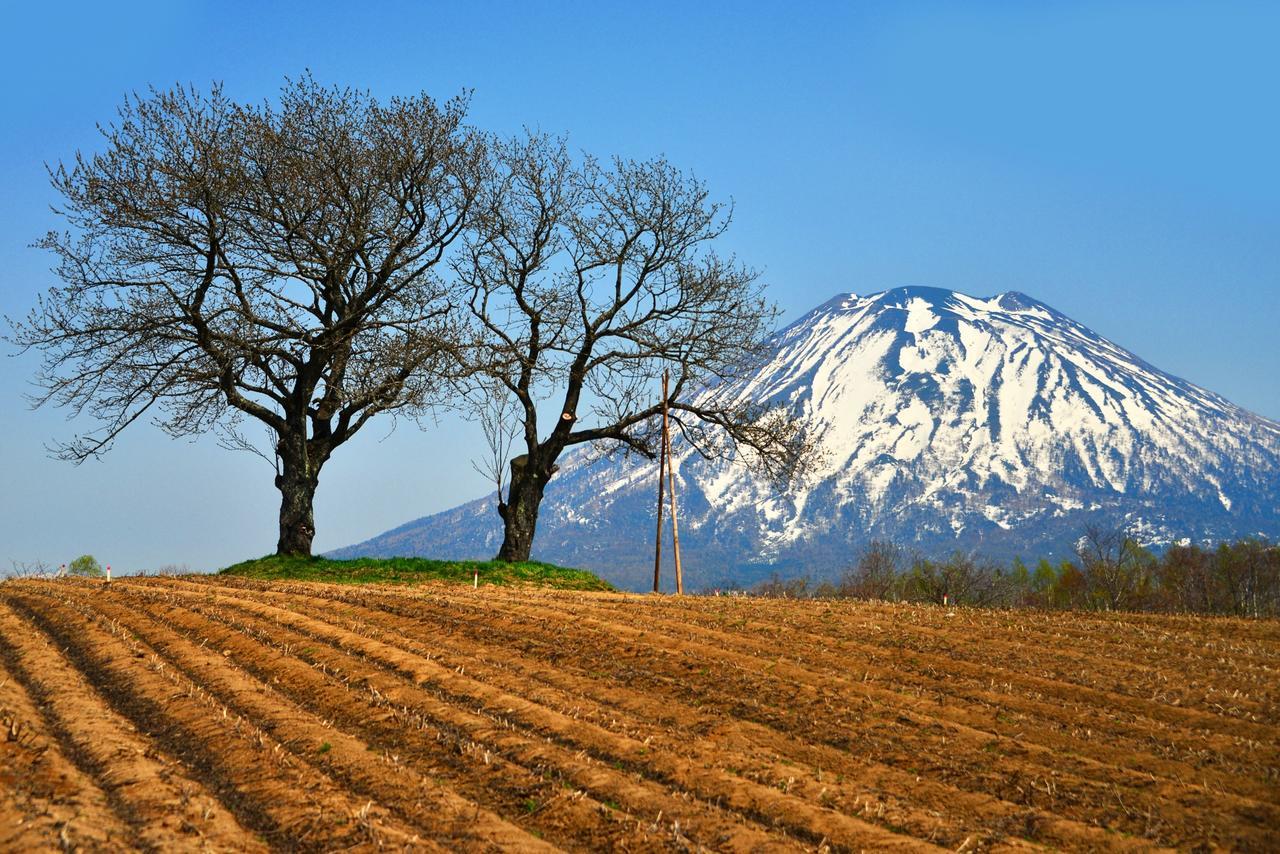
<point>192,713</point>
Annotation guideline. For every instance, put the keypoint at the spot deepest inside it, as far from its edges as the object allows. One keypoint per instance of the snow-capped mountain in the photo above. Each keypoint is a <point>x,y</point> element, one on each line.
<point>945,422</point>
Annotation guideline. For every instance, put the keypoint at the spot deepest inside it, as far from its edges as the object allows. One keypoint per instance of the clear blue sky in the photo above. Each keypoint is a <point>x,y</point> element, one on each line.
<point>1116,160</point>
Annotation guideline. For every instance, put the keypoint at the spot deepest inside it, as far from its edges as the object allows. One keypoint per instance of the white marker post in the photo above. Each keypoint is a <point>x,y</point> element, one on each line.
<point>108,573</point>
<point>476,579</point>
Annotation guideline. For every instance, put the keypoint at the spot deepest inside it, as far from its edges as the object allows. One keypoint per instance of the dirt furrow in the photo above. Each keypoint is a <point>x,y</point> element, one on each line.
<point>711,784</point>
<point>46,802</point>
<point>1192,629</point>
<point>1122,672</point>
<point>937,822</point>
<point>998,670</point>
<point>348,760</point>
<point>981,697</point>
<point>165,807</point>
<point>1192,637</point>
<point>820,772</point>
<point>319,716</point>
<point>288,802</point>
<point>385,711</point>
<point>1138,670</point>
<point>1082,789</point>
<point>1141,664</point>
<point>980,709</point>
<point>1019,818</point>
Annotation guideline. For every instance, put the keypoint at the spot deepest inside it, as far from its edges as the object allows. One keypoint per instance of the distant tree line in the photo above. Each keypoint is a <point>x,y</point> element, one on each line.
<point>1110,572</point>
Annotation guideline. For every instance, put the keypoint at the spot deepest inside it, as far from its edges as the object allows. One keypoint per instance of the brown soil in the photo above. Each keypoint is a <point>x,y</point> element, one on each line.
<point>225,714</point>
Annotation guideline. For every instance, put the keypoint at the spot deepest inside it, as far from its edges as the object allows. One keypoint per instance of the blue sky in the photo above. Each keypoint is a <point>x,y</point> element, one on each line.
<point>1116,160</point>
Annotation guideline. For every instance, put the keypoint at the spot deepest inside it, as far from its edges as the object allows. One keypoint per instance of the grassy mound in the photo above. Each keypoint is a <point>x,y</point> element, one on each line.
<point>411,570</point>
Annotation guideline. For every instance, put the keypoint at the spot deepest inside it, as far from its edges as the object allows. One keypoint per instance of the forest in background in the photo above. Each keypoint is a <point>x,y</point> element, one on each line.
<point>1110,572</point>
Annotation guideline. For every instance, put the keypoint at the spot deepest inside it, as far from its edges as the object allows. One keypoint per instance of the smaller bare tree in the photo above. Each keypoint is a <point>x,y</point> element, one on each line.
<point>584,283</point>
<point>30,569</point>
<point>961,579</point>
<point>500,425</point>
<point>876,573</point>
<point>1116,569</point>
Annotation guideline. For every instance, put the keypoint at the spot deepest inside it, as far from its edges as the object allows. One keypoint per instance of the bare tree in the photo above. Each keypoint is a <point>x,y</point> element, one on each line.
<point>961,579</point>
<point>876,573</point>
<point>270,262</point>
<point>1116,569</point>
<point>501,426</point>
<point>30,569</point>
<point>583,283</point>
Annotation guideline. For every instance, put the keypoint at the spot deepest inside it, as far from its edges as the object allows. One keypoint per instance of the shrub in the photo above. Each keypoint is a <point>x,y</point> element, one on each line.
<point>85,565</point>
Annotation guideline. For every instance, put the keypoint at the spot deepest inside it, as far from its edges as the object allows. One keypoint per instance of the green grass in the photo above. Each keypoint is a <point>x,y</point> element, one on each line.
<point>413,570</point>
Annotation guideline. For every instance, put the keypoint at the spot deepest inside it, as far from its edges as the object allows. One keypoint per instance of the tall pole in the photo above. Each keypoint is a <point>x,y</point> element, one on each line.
<point>671,477</point>
<point>662,456</point>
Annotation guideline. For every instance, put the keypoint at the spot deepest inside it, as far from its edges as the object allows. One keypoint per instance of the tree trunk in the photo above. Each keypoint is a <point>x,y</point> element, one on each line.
<point>297,483</point>
<point>520,511</point>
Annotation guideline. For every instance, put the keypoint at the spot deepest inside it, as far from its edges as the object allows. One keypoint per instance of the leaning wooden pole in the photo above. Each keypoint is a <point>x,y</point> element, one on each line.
<point>662,457</point>
<point>671,487</point>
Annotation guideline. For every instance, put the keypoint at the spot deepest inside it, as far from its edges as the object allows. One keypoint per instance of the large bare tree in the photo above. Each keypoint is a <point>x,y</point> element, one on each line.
<point>274,263</point>
<point>584,282</point>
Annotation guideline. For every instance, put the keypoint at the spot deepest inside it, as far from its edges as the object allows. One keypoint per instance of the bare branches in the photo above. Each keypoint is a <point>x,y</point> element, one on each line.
<point>29,569</point>
<point>285,262</point>
<point>500,424</point>
<point>275,261</point>
<point>1116,569</point>
<point>583,283</point>
<point>278,261</point>
<point>593,279</point>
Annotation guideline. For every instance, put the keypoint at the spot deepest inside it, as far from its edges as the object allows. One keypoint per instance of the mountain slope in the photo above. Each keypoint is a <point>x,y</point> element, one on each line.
<point>946,421</point>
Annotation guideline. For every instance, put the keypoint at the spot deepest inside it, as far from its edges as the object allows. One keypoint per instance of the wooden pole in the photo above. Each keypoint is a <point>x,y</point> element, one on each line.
<point>662,456</point>
<point>671,486</point>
